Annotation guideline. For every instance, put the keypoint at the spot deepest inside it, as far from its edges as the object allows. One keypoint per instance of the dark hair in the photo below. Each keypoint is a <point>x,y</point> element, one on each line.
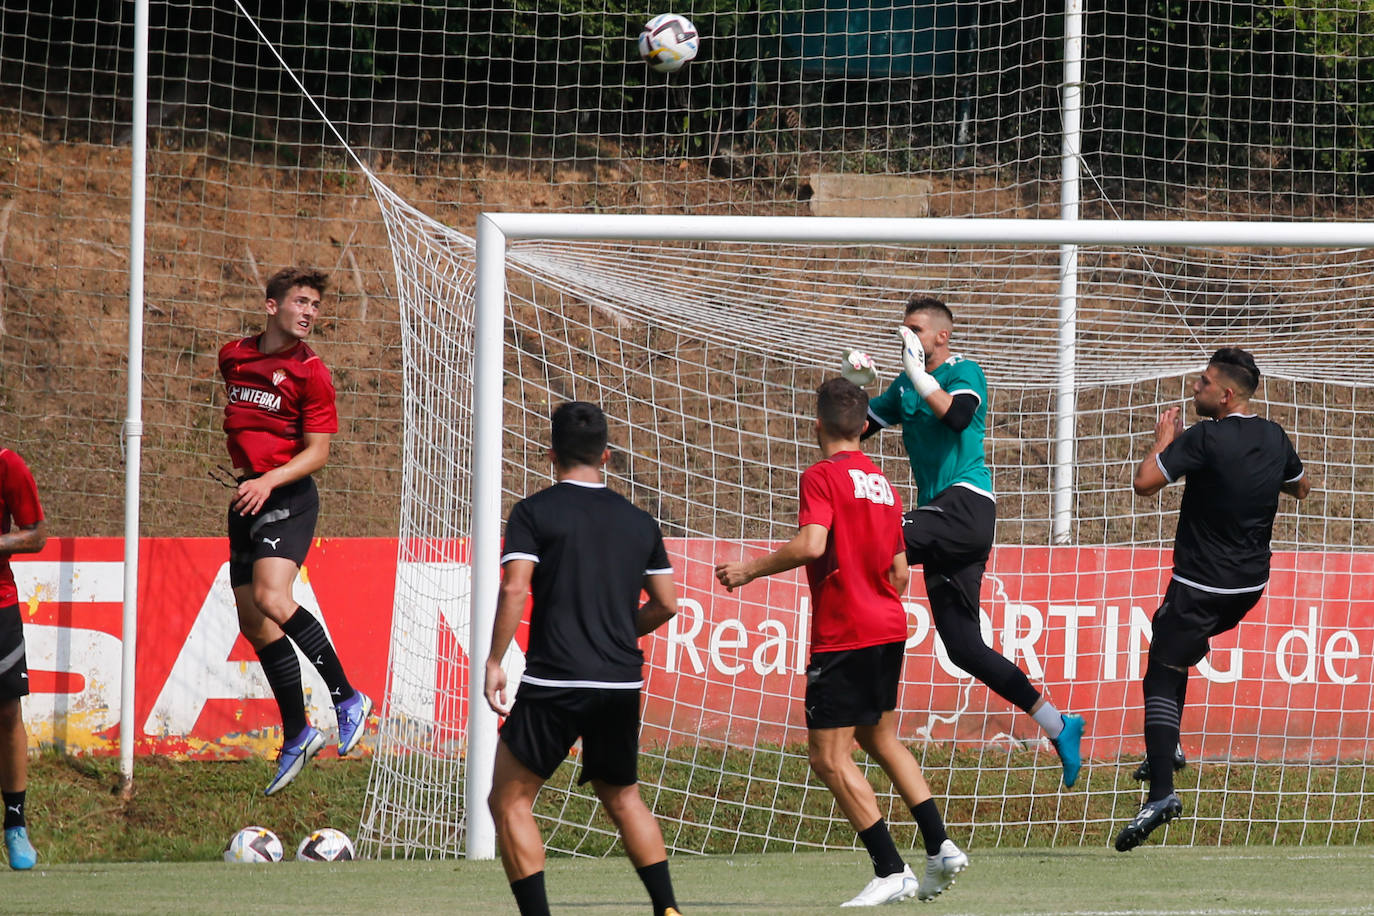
<point>579,434</point>
<point>1238,366</point>
<point>286,279</point>
<point>919,303</point>
<point>842,408</point>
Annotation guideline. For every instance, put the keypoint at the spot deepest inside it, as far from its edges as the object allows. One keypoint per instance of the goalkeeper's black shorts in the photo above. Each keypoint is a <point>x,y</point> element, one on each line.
<point>950,537</point>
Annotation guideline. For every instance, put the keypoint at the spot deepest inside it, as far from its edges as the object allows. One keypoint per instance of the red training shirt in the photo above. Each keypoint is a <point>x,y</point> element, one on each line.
<point>273,401</point>
<point>19,508</point>
<point>854,604</point>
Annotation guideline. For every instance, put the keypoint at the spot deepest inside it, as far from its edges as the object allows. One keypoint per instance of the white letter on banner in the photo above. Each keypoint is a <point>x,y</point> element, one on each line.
<point>1308,636</point>
<point>720,640</point>
<point>73,719</point>
<point>922,628</point>
<point>1071,613</point>
<point>93,655</point>
<point>1111,646</point>
<point>1141,629</point>
<point>430,595</point>
<point>803,632</point>
<point>1333,654</point>
<point>687,639</point>
<point>1218,676</point>
<point>775,642</point>
<point>1014,645</point>
<point>203,672</point>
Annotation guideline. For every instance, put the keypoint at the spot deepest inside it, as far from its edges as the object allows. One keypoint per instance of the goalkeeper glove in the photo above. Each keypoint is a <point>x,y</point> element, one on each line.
<point>858,368</point>
<point>914,362</point>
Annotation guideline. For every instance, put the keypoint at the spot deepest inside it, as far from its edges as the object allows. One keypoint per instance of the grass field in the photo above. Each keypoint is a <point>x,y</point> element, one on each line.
<point>158,852</point>
<point>1215,882</point>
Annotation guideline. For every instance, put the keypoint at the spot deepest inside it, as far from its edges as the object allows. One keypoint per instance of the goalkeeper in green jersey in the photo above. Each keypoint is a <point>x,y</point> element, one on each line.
<point>940,402</point>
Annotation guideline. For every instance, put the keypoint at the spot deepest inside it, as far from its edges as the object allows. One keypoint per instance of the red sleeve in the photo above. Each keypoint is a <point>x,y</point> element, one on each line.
<point>817,507</point>
<point>318,412</point>
<point>18,491</point>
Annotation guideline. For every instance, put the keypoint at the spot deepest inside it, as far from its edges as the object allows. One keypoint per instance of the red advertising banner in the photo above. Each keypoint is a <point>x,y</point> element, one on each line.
<point>200,690</point>
<point>1295,680</point>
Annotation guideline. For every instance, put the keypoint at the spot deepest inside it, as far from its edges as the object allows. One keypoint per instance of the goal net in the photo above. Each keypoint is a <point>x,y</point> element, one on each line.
<point>706,355</point>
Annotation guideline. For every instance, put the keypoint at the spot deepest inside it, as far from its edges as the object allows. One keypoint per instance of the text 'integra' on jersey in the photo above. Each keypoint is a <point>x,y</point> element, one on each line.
<point>264,399</point>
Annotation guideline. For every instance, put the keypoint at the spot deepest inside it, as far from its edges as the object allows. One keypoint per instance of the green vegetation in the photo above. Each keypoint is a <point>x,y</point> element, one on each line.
<point>715,802</point>
<point>180,811</point>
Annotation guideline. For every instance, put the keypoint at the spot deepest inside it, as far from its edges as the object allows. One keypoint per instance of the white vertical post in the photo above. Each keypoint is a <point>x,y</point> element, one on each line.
<point>485,550</point>
<point>133,422</point>
<point>1072,146</point>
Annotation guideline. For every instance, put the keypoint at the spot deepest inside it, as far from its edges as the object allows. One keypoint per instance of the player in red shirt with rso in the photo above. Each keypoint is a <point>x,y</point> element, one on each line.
<point>850,541</point>
<point>279,418</point>
<point>22,530</point>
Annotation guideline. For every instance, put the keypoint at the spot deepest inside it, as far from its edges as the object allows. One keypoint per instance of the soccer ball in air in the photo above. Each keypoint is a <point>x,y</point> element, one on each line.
<point>667,42</point>
<point>253,844</point>
<point>325,845</point>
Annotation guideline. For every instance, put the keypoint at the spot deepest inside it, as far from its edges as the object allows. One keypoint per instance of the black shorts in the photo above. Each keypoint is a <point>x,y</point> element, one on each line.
<point>14,667</point>
<point>283,527</point>
<point>544,723</point>
<point>951,538</point>
<point>853,687</point>
<point>1190,617</point>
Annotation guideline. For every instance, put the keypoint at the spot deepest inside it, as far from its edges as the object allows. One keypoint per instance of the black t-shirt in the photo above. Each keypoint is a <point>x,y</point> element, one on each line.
<point>593,548</point>
<point>1235,467</point>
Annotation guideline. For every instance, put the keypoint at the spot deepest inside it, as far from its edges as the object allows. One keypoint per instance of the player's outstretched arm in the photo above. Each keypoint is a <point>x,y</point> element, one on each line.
<point>661,606</point>
<point>252,493</point>
<point>859,368</point>
<point>914,364</point>
<point>24,540</point>
<point>510,607</point>
<point>1149,478</point>
<point>808,544</point>
<point>899,574</point>
<point>1298,489</point>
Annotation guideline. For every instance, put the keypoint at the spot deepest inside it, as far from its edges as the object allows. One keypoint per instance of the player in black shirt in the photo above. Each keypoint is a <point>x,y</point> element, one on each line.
<point>1237,465</point>
<point>585,554</point>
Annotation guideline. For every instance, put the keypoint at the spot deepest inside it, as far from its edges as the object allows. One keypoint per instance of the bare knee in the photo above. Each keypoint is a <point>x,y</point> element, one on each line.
<point>825,765</point>
<point>10,717</point>
<point>620,801</point>
<point>273,604</point>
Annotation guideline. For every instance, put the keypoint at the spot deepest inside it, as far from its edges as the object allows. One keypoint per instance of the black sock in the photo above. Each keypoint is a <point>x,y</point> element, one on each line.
<point>1163,716</point>
<point>306,632</point>
<point>530,896</point>
<point>284,677</point>
<point>881,850</point>
<point>14,809</point>
<point>659,886</point>
<point>931,825</point>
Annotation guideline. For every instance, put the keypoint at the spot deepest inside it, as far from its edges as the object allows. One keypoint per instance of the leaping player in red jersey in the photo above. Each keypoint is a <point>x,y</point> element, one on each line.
<point>22,530</point>
<point>279,418</point>
<point>850,541</point>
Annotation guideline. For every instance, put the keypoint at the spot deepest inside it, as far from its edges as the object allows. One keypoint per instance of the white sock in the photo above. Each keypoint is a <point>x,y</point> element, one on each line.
<point>1048,718</point>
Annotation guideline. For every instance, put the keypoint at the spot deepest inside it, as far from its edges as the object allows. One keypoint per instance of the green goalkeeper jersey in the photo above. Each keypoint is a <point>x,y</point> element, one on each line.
<point>939,456</point>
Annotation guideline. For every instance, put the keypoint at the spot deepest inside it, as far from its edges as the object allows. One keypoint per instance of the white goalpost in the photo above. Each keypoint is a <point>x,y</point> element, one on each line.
<point>704,338</point>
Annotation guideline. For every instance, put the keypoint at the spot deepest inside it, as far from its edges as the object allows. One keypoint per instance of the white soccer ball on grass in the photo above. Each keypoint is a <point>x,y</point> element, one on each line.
<point>668,42</point>
<point>253,845</point>
<point>326,845</point>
